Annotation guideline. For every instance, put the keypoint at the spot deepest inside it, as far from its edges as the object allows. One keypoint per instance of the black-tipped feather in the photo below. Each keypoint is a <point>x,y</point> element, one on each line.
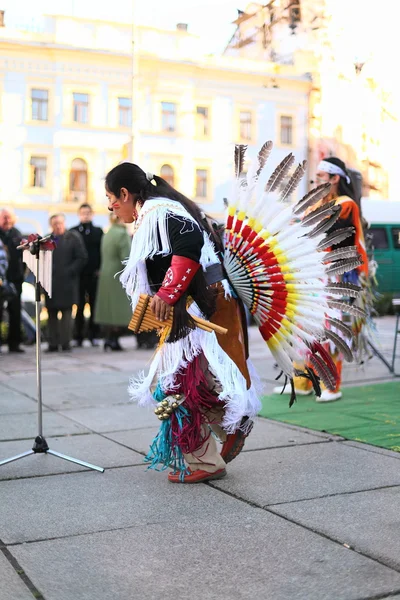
<point>340,345</point>
<point>341,326</point>
<point>280,173</point>
<point>311,198</point>
<point>263,156</point>
<point>322,371</point>
<point>240,151</point>
<point>351,309</point>
<point>294,181</point>
<point>344,289</point>
<point>326,224</point>
<point>341,254</point>
<point>318,214</point>
<point>336,237</point>
<point>343,266</point>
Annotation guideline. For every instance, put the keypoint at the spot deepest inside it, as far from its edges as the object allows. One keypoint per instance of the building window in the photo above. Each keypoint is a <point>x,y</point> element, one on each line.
<point>379,238</point>
<point>125,112</point>
<point>167,173</point>
<point>245,125</point>
<point>38,171</point>
<point>201,183</point>
<point>286,130</point>
<point>396,238</point>
<point>202,122</point>
<point>40,105</point>
<point>81,108</point>
<point>168,116</point>
<point>78,180</point>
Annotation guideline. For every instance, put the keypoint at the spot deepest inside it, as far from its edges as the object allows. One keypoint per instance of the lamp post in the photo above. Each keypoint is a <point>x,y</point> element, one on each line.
<point>134,87</point>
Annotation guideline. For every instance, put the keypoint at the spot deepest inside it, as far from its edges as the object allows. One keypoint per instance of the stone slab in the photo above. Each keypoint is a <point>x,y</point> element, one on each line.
<point>13,402</point>
<point>91,448</point>
<point>269,434</point>
<point>54,382</point>
<point>12,587</point>
<point>24,426</point>
<point>265,434</point>
<point>376,449</point>
<point>304,472</point>
<point>366,521</point>
<point>104,394</point>
<point>114,418</point>
<point>80,503</point>
<point>137,439</point>
<point>238,552</point>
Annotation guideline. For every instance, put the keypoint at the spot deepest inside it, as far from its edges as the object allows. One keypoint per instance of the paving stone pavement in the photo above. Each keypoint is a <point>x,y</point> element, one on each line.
<point>302,515</point>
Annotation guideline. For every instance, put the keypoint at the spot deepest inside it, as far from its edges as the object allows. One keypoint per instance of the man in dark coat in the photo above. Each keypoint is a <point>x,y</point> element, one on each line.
<point>11,238</point>
<point>69,258</point>
<point>91,237</point>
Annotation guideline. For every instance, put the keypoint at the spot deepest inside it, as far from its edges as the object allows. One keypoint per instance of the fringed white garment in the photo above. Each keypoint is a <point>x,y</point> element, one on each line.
<point>171,358</point>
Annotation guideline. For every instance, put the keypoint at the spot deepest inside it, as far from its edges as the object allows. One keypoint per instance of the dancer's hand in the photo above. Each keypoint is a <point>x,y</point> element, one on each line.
<point>161,309</point>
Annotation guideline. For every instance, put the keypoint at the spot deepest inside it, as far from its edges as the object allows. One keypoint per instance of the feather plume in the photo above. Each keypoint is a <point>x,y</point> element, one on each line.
<point>315,216</point>
<point>293,181</point>
<point>344,289</point>
<point>341,326</point>
<point>346,308</point>
<point>253,174</point>
<point>343,266</point>
<point>340,254</point>
<point>240,152</point>
<point>326,357</point>
<point>311,198</point>
<point>314,380</point>
<point>292,393</point>
<point>326,224</point>
<point>336,237</point>
<point>279,173</point>
<point>322,371</point>
<point>340,345</point>
<point>263,156</point>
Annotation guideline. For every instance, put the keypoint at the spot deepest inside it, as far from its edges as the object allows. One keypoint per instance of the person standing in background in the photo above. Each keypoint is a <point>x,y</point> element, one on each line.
<point>69,258</point>
<point>91,236</point>
<point>3,262</point>
<point>11,238</point>
<point>113,309</point>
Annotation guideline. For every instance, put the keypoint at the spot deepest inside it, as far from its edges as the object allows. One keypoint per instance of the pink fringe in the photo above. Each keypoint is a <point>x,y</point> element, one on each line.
<point>188,433</point>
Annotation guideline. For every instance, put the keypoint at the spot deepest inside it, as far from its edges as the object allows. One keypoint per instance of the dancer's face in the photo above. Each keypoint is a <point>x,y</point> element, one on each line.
<point>123,206</point>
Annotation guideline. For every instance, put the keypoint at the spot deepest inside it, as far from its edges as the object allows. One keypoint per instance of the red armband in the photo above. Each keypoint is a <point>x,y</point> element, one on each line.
<point>177,279</point>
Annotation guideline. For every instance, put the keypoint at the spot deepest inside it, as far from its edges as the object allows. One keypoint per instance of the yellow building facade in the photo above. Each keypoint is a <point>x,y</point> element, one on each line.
<point>66,113</point>
<point>351,113</point>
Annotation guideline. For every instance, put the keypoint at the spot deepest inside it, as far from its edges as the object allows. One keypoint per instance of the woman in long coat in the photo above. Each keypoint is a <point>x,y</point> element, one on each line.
<point>113,309</point>
<point>69,258</point>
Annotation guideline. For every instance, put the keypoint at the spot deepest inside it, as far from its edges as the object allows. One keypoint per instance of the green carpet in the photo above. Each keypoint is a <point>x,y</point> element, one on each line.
<point>369,414</point>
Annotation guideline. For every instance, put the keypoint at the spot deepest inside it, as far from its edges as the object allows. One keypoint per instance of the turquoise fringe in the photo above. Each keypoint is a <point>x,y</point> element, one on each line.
<point>162,454</point>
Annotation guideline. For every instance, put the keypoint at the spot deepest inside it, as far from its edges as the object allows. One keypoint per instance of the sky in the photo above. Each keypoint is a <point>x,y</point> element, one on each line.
<point>211,18</point>
<point>364,32</point>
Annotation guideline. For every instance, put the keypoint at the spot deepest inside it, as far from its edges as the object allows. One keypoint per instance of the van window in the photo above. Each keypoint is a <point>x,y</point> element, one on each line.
<point>396,237</point>
<point>379,238</point>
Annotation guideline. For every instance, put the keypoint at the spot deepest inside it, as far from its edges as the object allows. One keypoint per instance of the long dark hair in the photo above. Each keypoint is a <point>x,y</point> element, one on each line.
<point>133,178</point>
<point>344,188</point>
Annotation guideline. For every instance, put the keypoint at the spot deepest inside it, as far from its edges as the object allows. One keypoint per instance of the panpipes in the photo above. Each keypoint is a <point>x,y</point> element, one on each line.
<point>45,267</point>
<point>143,319</point>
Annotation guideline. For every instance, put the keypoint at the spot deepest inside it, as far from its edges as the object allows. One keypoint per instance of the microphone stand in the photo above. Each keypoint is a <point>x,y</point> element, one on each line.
<point>40,445</point>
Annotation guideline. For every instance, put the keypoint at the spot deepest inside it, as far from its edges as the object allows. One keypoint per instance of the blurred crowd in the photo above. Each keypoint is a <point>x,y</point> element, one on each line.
<point>84,283</point>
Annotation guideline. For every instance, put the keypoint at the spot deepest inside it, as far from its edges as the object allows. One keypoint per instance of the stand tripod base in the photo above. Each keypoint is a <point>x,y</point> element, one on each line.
<point>40,446</point>
<point>383,359</point>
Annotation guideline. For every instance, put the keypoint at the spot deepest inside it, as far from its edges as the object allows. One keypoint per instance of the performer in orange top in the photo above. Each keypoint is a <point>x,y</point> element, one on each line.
<point>333,170</point>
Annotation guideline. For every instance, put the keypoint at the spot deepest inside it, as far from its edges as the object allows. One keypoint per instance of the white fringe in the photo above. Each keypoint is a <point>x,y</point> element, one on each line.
<point>146,244</point>
<point>172,358</point>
